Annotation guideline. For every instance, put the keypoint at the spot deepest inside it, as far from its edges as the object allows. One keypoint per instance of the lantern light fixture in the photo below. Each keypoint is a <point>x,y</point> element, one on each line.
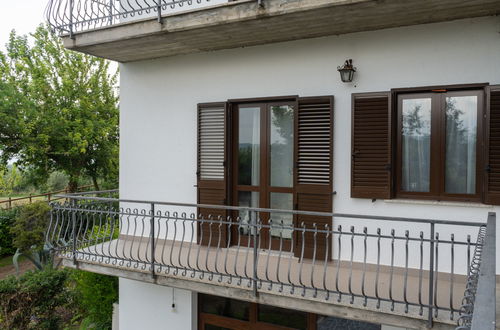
<point>347,71</point>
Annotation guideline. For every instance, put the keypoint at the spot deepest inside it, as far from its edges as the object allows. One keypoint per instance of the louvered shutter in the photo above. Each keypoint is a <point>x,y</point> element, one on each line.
<point>371,148</point>
<point>212,171</point>
<point>314,170</point>
<point>492,180</point>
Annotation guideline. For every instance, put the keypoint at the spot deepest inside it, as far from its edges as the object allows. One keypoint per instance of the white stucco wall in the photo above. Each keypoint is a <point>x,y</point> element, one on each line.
<point>159,98</point>
<point>148,306</point>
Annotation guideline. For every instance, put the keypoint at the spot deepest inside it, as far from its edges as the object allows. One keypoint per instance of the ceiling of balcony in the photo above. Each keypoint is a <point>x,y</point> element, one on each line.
<point>244,23</point>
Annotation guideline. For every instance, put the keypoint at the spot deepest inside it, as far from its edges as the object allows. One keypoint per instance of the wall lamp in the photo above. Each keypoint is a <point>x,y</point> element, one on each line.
<point>347,71</point>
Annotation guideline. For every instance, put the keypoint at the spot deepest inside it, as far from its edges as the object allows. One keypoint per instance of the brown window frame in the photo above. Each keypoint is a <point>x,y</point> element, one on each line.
<point>264,188</point>
<point>438,145</point>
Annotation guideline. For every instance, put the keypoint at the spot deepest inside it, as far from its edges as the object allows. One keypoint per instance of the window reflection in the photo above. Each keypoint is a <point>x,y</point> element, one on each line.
<point>282,222</point>
<point>416,139</point>
<point>281,146</point>
<point>248,199</point>
<point>249,146</point>
<point>461,137</point>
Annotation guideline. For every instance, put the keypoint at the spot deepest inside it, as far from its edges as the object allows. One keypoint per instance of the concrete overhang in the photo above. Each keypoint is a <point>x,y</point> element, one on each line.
<point>244,23</point>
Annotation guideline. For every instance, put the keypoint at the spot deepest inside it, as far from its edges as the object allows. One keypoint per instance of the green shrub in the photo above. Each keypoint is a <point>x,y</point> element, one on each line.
<point>96,295</point>
<point>30,226</point>
<point>36,300</point>
<point>7,219</point>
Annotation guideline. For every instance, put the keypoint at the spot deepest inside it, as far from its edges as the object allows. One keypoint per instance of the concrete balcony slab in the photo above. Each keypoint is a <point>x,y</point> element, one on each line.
<point>245,23</point>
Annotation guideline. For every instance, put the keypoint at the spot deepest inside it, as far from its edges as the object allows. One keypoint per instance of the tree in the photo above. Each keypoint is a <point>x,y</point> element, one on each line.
<point>58,109</point>
<point>9,180</point>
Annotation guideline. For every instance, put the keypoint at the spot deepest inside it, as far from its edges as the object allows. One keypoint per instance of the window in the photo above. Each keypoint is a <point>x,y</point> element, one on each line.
<point>438,143</point>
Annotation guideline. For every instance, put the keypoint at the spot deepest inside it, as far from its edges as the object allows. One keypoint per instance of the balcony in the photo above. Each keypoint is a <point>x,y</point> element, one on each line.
<point>375,269</point>
<point>127,31</point>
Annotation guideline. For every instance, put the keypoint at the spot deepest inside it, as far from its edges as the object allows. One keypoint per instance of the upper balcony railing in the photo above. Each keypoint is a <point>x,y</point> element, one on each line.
<point>72,16</point>
<point>414,268</point>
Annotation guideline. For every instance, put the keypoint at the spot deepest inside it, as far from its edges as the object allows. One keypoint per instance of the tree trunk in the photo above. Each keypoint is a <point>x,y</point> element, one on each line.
<point>96,185</point>
<point>72,185</point>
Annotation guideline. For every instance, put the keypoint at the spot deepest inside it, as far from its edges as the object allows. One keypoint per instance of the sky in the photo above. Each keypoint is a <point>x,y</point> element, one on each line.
<point>22,15</point>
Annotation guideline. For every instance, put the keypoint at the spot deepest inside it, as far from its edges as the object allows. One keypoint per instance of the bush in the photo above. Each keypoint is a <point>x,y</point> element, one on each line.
<point>7,219</point>
<point>29,227</point>
<point>36,300</point>
<point>96,295</point>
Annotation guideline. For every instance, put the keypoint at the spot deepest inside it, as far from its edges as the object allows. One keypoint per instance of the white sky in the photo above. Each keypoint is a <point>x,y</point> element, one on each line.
<point>22,15</point>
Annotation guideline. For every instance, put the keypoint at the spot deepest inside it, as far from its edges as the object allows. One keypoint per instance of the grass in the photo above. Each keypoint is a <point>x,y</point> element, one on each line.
<point>7,260</point>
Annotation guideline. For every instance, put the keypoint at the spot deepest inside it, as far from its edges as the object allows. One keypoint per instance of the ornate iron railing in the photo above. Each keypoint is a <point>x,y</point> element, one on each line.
<point>412,267</point>
<point>72,16</point>
<point>481,283</point>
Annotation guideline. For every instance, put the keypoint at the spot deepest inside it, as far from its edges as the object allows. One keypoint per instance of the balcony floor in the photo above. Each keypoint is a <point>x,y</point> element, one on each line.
<point>124,255</point>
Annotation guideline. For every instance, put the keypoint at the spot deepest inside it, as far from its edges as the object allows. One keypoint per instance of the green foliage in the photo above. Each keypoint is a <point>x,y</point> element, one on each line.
<point>9,180</point>
<point>7,219</point>
<point>57,181</point>
<point>29,227</point>
<point>96,295</point>
<point>36,300</point>
<point>58,109</point>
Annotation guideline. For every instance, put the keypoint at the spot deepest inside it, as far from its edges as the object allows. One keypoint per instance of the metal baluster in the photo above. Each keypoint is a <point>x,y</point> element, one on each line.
<point>420,273</point>
<point>255,252</point>
<point>327,229</point>
<point>152,239</point>
<point>365,252</point>
<point>452,274</point>
<point>405,288</point>
<point>338,264</point>
<point>431,276</point>
<point>313,264</point>
<point>391,275</point>
<point>377,274</point>
<point>229,222</point>
<point>351,265</point>
<point>436,274</point>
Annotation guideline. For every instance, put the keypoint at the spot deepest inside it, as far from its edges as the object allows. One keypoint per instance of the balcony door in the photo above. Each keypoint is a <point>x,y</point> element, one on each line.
<point>263,169</point>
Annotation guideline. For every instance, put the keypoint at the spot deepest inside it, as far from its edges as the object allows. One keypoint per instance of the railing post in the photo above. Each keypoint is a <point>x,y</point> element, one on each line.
<point>159,12</point>
<point>255,248</point>
<point>73,230</point>
<point>31,199</point>
<point>483,317</point>
<point>431,276</point>
<point>10,202</point>
<point>71,4</point>
<point>152,225</point>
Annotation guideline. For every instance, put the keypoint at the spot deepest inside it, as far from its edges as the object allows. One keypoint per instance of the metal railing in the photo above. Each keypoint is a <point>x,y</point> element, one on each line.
<point>413,267</point>
<point>481,283</point>
<point>72,16</point>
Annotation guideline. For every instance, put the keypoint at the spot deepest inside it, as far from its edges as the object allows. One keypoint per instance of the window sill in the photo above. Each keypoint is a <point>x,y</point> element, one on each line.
<point>437,203</point>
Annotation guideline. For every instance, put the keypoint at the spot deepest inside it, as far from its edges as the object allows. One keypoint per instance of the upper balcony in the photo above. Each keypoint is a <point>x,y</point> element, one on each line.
<point>132,30</point>
<point>398,271</point>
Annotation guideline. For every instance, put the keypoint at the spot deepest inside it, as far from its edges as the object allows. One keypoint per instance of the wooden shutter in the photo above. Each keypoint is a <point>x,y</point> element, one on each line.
<point>492,146</point>
<point>371,148</point>
<point>212,170</point>
<point>314,170</point>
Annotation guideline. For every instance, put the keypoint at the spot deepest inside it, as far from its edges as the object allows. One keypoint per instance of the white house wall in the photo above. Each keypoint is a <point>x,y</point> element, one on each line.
<point>147,306</point>
<point>159,99</point>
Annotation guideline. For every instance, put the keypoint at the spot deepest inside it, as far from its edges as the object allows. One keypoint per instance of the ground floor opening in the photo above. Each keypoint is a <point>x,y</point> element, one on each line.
<point>221,313</point>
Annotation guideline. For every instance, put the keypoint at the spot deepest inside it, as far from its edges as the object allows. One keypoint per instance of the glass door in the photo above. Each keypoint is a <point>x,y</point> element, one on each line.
<point>263,159</point>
